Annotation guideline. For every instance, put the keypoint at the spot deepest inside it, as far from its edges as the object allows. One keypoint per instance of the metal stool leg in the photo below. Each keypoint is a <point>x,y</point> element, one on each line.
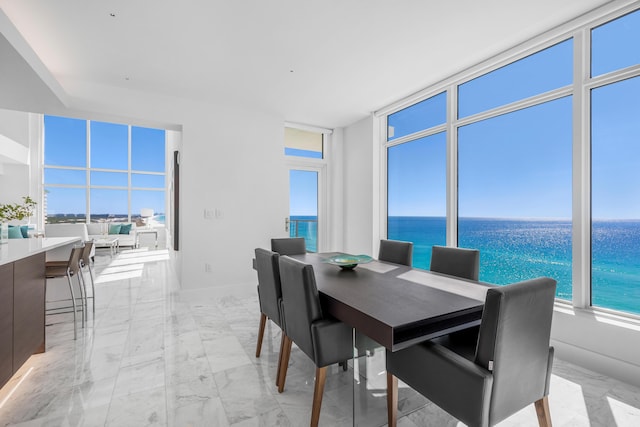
<point>83,296</point>
<point>73,302</point>
<point>93,290</point>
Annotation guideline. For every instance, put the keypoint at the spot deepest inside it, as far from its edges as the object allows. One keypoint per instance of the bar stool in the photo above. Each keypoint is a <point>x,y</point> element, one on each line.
<point>68,269</point>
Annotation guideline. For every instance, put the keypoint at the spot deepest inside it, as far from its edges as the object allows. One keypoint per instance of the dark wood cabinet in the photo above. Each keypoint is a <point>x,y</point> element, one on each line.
<point>28,307</point>
<point>6,322</point>
<point>22,299</point>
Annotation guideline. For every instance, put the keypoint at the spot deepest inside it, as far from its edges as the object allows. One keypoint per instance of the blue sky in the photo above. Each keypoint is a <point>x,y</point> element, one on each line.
<point>303,193</point>
<point>519,165</point>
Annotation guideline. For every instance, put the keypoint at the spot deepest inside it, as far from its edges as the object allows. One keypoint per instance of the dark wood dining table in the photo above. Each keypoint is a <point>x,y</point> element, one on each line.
<point>396,305</point>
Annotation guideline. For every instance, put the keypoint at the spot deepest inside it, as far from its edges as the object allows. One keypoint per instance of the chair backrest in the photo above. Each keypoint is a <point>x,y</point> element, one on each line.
<point>301,302</point>
<point>269,290</point>
<point>86,253</point>
<point>459,262</point>
<point>514,342</point>
<point>289,246</point>
<point>396,251</point>
<point>74,260</point>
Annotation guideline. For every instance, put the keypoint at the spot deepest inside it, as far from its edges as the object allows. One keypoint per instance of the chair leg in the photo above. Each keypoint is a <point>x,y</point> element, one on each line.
<point>286,352</point>
<point>318,390</point>
<point>73,303</point>
<point>263,322</point>
<point>282,337</point>
<point>542,410</point>
<point>392,399</point>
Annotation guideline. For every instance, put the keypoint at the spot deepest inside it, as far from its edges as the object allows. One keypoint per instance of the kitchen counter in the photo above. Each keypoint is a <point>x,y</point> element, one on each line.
<point>22,300</point>
<point>18,249</point>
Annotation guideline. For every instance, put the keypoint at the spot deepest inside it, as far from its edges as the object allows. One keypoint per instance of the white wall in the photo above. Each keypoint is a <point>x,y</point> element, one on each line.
<point>15,125</point>
<point>14,183</point>
<point>605,343</point>
<point>336,191</point>
<point>359,179</point>
<point>14,178</point>
<point>232,164</point>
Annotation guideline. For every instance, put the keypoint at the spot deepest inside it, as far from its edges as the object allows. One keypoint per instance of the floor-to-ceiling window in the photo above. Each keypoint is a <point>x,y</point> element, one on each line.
<point>96,171</point>
<point>615,160</point>
<point>514,169</point>
<point>514,194</point>
<point>505,156</point>
<point>416,176</point>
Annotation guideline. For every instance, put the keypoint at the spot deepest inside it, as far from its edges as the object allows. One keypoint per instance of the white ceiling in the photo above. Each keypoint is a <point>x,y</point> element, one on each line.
<point>327,63</point>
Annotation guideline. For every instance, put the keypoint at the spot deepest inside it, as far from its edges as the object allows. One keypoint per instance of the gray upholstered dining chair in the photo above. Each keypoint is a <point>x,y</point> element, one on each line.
<point>289,246</point>
<point>323,339</point>
<point>269,296</point>
<point>459,262</point>
<point>508,368</point>
<point>396,251</point>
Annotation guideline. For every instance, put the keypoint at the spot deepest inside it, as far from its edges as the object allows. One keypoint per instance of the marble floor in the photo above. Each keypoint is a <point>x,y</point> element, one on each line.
<point>157,355</point>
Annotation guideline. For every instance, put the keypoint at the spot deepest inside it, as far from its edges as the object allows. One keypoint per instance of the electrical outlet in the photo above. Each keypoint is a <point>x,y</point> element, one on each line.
<point>207,267</point>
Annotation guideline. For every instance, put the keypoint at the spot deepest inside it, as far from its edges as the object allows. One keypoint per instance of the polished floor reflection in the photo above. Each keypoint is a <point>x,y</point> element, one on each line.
<point>156,355</point>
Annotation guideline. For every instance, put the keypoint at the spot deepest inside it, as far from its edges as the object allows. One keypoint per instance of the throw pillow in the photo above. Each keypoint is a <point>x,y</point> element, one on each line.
<point>114,228</point>
<point>25,231</point>
<point>125,228</point>
<point>14,232</point>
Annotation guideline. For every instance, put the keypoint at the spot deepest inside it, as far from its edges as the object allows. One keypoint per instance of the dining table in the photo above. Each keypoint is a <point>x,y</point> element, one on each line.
<point>396,305</point>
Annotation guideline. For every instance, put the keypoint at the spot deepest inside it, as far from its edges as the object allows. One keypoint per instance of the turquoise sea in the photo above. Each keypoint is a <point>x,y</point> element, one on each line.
<point>307,227</point>
<point>515,250</point>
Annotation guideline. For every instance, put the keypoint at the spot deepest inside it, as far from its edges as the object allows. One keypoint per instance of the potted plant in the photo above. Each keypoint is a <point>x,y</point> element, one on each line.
<point>14,212</point>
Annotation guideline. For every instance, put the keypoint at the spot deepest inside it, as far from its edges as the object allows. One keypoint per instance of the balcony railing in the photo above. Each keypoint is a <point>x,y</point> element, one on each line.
<point>307,228</point>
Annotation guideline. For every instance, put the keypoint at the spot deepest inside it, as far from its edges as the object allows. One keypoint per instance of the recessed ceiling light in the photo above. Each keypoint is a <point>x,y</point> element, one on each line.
<point>113,15</point>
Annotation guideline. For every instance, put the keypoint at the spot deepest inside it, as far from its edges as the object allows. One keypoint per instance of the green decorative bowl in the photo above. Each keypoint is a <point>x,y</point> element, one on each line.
<point>348,262</point>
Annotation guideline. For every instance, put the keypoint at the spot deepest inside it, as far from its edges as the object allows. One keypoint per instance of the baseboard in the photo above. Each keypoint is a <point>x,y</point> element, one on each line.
<point>606,365</point>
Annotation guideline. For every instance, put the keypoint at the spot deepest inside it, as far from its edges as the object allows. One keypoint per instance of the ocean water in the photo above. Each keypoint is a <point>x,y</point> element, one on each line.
<point>515,250</point>
<point>307,227</point>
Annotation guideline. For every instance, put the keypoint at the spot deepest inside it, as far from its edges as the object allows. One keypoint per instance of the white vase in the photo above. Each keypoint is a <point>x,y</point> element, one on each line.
<point>4,232</point>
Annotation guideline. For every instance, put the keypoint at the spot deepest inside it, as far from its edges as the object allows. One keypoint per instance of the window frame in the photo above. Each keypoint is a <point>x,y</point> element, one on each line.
<point>580,30</point>
<point>88,169</point>
<point>321,166</point>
